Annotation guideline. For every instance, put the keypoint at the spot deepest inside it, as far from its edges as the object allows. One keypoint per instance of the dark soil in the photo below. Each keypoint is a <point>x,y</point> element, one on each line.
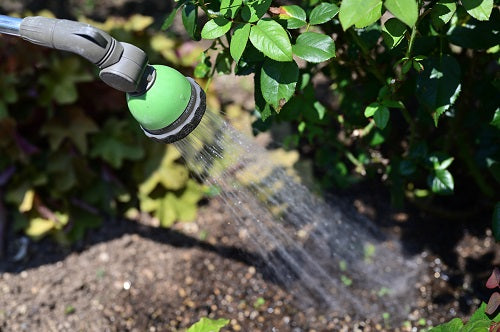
<point>128,276</point>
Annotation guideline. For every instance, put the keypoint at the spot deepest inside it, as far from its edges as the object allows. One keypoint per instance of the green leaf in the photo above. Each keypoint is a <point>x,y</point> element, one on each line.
<point>438,85</point>
<point>278,81</point>
<point>114,143</point>
<point>479,9</point>
<point>170,18</point>
<point>381,116</point>
<point>190,20</point>
<point>477,326</point>
<point>442,12</point>
<point>323,13</point>
<point>208,325</point>
<point>405,10</point>
<point>496,119</point>
<point>393,32</point>
<point>294,15</point>
<point>252,11</point>
<point>371,109</point>
<point>359,13</point>
<point>239,40</point>
<point>441,182</point>
<point>314,47</point>
<point>271,39</point>
<point>229,8</point>
<point>203,67</point>
<point>215,28</point>
<point>445,163</point>
<point>495,222</point>
<point>73,125</point>
<point>479,314</point>
<point>320,109</point>
<point>452,326</point>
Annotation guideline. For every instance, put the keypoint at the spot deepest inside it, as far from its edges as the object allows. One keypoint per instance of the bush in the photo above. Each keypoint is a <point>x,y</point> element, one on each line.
<point>70,154</point>
<point>401,90</point>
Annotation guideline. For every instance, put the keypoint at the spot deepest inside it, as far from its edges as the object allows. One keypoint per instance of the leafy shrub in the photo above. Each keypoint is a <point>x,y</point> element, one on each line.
<point>69,151</point>
<point>478,322</point>
<point>402,90</point>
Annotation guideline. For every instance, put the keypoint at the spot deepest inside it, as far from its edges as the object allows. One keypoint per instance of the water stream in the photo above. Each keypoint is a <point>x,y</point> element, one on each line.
<point>322,253</point>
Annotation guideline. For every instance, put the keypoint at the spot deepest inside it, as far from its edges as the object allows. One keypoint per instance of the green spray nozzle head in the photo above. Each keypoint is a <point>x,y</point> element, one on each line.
<point>171,107</point>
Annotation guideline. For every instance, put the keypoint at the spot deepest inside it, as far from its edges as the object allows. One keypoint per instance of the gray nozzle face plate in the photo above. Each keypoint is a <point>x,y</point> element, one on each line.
<point>188,120</point>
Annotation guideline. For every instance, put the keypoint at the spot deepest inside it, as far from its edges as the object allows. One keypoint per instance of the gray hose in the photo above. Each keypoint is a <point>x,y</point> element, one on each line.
<point>10,25</point>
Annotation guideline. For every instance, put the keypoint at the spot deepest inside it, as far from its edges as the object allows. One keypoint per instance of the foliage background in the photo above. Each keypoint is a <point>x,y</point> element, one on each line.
<point>71,155</point>
<point>404,92</point>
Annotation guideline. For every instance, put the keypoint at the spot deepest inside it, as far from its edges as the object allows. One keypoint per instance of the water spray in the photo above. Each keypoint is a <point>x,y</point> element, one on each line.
<point>167,105</point>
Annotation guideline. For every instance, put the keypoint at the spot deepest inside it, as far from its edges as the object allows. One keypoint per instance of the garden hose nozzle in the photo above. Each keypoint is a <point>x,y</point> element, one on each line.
<point>167,105</point>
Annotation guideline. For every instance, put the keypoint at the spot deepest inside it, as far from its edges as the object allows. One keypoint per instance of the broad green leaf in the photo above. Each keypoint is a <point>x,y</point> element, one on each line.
<point>278,81</point>
<point>208,325</point>
<point>359,13</point>
<point>239,40</point>
<point>229,8</point>
<point>60,83</point>
<point>496,119</point>
<point>438,85</point>
<point>495,222</point>
<point>405,10</point>
<point>190,20</point>
<point>169,20</point>
<point>479,9</point>
<point>371,109</point>
<point>294,15</point>
<point>114,143</point>
<point>38,227</point>
<point>393,32</point>
<point>215,28</point>
<point>479,314</point>
<point>203,67</point>
<point>381,116</point>
<point>323,13</point>
<point>477,326</point>
<point>442,12</point>
<point>445,163</point>
<point>441,181</point>
<point>252,11</point>
<point>314,47</point>
<point>271,39</point>
<point>452,326</point>
<point>72,125</point>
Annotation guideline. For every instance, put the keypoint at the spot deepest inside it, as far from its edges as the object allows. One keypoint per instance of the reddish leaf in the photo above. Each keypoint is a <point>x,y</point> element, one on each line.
<point>493,304</point>
<point>494,279</point>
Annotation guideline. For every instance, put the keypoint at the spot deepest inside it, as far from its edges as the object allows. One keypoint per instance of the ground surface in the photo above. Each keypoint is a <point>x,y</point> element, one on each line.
<point>128,276</point>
